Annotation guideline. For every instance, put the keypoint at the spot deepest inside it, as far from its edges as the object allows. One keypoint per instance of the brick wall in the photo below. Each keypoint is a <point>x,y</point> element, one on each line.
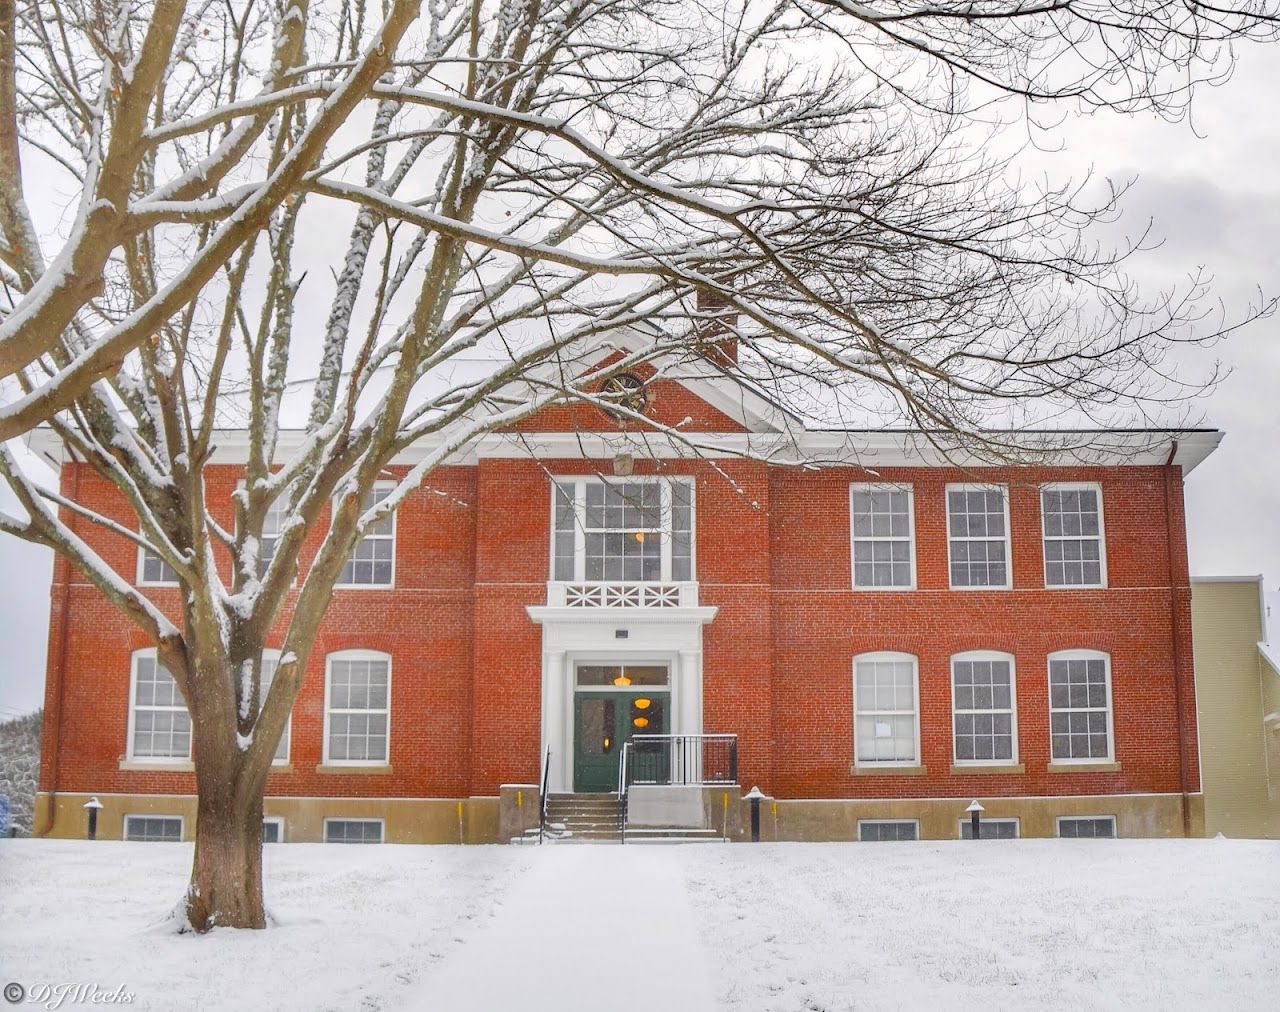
<point>773,554</point>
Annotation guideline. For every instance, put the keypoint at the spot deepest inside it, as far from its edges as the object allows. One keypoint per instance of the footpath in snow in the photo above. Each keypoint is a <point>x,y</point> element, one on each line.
<point>590,928</point>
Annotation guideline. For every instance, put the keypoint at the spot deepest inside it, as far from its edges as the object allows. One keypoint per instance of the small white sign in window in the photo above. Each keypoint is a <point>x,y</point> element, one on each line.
<point>884,729</point>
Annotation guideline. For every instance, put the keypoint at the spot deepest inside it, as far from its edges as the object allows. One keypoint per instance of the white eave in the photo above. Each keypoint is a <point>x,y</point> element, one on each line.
<point>804,448</point>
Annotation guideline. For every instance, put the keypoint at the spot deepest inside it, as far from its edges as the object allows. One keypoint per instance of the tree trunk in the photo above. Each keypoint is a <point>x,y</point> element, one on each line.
<point>226,875</point>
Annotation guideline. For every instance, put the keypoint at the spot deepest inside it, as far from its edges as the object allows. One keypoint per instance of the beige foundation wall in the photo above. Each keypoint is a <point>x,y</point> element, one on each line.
<point>412,820</point>
<point>1145,815</point>
<point>1233,684</point>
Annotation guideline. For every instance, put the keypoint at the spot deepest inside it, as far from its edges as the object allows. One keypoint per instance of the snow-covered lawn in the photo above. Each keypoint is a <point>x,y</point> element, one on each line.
<point>1069,924</point>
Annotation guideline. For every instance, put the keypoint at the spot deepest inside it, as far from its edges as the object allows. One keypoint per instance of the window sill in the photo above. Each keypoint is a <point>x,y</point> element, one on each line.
<point>1075,586</point>
<point>281,768</point>
<point>373,770</point>
<point>152,766</point>
<point>1083,768</point>
<point>364,586</point>
<point>992,769</point>
<point>888,771</point>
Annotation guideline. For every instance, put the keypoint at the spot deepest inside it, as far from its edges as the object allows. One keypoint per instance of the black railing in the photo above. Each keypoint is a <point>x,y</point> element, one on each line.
<point>542,797</point>
<point>684,760</point>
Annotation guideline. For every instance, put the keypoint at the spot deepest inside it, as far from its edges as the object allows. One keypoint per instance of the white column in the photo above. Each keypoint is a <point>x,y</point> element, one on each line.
<point>565,677</point>
<point>552,710</point>
<point>689,690</point>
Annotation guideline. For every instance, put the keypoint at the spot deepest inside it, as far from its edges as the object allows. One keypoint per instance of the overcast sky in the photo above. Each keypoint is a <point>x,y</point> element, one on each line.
<point>1212,189</point>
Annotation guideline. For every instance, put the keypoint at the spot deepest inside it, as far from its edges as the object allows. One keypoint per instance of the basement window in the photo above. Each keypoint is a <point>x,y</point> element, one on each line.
<point>888,830</point>
<point>1091,827</point>
<point>153,828</point>
<point>352,830</point>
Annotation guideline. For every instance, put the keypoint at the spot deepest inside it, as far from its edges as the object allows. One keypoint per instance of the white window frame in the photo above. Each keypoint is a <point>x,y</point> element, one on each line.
<point>158,760</point>
<point>275,820</point>
<point>378,486</point>
<point>140,579</point>
<point>182,827</point>
<point>876,764</point>
<point>1008,533</point>
<point>1086,818</point>
<point>286,737</point>
<point>579,483</point>
<point>382,827</point>
<point>889,822</point>
<point>355,655</point>
<point>1081,655</point>
<point>986,655</point>
<point>1074,486</point>
<point>909,489</point>
<point>963,824</point>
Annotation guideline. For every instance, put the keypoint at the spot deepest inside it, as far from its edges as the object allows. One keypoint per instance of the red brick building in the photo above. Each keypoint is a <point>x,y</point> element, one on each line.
<point>888,635</point>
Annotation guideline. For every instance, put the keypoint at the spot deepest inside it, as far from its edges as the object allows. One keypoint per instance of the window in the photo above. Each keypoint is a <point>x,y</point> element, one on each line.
<point>991,829</point>
<point>159,725</point>
<point>886,727</point>
<point>372,562</point>
<point>622,531</point>
<point>273,829</point>
<point>271,661</point>
<point>978,536</point>
<point>357,708</point>
<point>352,830</point>
<point>885,830</point>
<point>1074,547</point>
<point>982,706</point>
<point>1093,827</point>
<point>881,524</point>
<point>1080,706</point>
<point>153,828</point>
<point>153,571</point>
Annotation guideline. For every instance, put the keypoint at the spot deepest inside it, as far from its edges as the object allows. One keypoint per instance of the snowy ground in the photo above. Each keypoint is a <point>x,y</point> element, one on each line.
<point>1057,924</point>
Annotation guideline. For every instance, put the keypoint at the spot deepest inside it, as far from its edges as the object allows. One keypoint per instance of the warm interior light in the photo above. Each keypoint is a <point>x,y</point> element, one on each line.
<point>641,722</point>
<point>607,743</point>
<point>622,679</point>
<point>640,536</point>
<point>642,704</point>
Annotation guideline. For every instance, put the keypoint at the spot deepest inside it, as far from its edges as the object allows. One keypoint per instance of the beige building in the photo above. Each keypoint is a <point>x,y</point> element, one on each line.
<point>1238,703</point>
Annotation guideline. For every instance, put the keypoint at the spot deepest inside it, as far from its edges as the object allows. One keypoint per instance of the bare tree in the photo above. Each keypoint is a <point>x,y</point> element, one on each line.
<point>530,177</point>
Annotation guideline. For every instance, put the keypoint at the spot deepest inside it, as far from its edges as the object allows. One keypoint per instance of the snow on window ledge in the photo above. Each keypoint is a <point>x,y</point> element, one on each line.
<point>159,765</point>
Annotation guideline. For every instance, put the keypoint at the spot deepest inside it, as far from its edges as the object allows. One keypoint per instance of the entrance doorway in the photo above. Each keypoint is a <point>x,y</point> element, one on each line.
<point>612,703</point>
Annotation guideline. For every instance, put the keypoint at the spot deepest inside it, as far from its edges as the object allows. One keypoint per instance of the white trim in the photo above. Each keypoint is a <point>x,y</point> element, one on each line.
<point>1057,826</point>
<point>150,653</point>
<point>276,820</point>
<point>1008,538</point>
<point>1081,655</point>
<point>140,569</point>
<point>909,489</point>
<point>1069,486</point>
<point>324,831</point>
<point>963,824</point>
<point>182,826</point>
<point>886,655</point>
<point>889,822</point>
<point>354,655</point>
<point>388,486</point>
<point>986,655</point>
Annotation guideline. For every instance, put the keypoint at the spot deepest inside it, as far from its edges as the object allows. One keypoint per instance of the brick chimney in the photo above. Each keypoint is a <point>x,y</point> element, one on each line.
<point>715,337</point>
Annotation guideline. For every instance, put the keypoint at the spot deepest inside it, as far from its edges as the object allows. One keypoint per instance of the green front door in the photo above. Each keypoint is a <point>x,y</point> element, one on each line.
<point>602,723</point>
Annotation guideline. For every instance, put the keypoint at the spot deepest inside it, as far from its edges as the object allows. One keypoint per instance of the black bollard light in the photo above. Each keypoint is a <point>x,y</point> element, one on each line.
<point>93,806</point>
<point>755,797</point>
<point>975,811</point>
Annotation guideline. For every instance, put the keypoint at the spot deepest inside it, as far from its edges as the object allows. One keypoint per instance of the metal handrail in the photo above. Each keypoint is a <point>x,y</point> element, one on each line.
<point>542,797</point>
<point>687,764</point>
<point>624,789</point>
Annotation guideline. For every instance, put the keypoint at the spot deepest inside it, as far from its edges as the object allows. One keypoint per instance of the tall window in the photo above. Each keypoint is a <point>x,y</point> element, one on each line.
<point>1080,706</point>
<point>159,725</point>
<point>357,708</point>
<point>630,531</point>
<point>271,661</point>
<point>372,562</point>
<point>153,571</point>
<point>983,708</point>
<point>881,527</point>
<point>1074,550</point>
<point>978,536</point>
<point>272,526</point>
<point>886,727</point>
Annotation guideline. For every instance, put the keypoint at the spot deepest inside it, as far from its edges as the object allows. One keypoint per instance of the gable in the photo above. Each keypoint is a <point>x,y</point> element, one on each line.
<point>670,404</point>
